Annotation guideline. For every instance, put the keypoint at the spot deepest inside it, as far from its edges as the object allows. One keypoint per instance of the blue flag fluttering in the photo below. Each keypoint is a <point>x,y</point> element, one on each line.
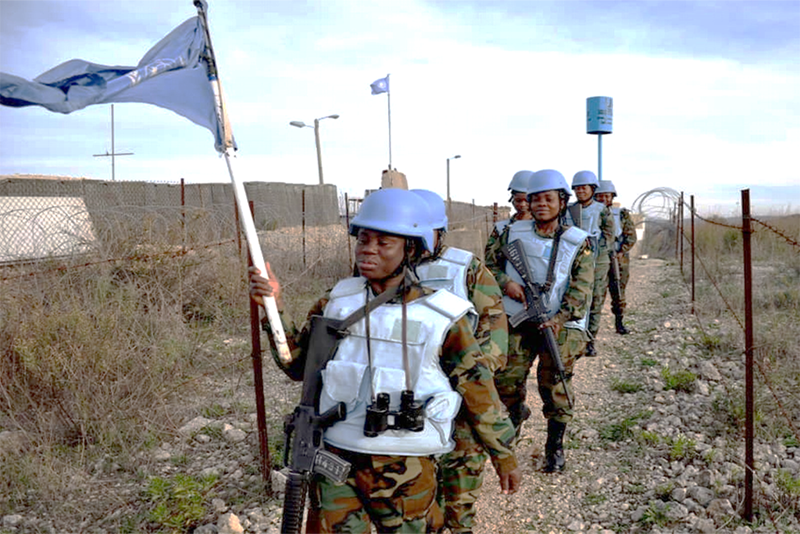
<point>172,75</point>
<point>380,86</point>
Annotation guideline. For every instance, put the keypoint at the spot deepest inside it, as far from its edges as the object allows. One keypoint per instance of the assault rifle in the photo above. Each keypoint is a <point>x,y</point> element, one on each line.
<point>535,310</point>
<point>305,427</point>
<point>613,281</point>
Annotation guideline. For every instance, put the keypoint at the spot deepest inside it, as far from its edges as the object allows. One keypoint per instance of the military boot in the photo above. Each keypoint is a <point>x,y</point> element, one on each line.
<point>590,350</point>
<point>621,327</point>
<point>554,448</point>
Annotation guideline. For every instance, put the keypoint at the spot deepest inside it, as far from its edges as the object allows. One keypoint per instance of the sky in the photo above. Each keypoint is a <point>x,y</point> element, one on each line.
<point>706,95</point>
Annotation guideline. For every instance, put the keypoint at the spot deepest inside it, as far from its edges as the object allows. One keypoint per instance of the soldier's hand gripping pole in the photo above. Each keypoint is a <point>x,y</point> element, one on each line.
<point>535,310</point>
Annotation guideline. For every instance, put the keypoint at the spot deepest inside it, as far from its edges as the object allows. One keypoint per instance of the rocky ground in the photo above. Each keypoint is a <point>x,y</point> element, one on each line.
<point>649,450</point>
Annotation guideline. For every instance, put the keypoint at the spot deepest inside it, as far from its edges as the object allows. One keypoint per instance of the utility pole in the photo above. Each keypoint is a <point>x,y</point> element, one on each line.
<point>113,154</point>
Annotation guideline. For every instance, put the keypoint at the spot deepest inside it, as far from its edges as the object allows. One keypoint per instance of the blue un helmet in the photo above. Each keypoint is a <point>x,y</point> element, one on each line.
<point>519,182</point>
<point>547,180</point>
<point>436,208</point>
<point>606,186</point>
<point>585,178</point>
<point>396,212</point>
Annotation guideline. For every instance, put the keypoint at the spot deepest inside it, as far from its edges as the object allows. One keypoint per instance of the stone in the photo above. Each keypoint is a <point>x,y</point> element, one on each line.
<point>230,524</point>
<point>701,495</point>
<point>193,426</point>
<point>12,521</point>
<point>720,508</point>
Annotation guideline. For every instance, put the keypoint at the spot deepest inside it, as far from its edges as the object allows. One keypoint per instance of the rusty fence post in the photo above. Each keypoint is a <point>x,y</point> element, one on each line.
<point>691,208</point>
<point>303,196</point>
<point>258,385</point>
<point>748,336</point>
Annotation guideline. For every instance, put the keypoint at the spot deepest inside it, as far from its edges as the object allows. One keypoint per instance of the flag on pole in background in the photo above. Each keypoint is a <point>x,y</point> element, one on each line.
<point>380,86</point>
<point>171,75</point>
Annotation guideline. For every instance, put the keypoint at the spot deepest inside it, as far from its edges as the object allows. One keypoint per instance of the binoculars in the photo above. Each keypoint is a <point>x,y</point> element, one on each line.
<point>380,418</point>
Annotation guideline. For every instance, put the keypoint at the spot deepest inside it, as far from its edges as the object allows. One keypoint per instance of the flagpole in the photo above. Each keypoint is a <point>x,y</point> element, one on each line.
<point>246,218</point>
<point>389,105</point>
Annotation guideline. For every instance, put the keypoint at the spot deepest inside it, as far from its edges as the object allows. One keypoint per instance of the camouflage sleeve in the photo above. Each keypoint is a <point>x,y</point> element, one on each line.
<point>606,229</point>
<point>628,238</point>
<point>461,360</point>
<point>492,331</point>
<point>297,339</point>
<point>578,297</point>
<point>494,259</point>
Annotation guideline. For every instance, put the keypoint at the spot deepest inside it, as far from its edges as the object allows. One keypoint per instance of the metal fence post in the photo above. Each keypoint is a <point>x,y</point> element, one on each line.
<point>691,208</point>
<point>258,384</point>
<point>748,336</point>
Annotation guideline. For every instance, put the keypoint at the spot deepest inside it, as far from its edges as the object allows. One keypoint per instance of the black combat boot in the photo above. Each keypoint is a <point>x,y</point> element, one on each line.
<point>621,327</point>
<point>554,448</point>
<point>590,350</point>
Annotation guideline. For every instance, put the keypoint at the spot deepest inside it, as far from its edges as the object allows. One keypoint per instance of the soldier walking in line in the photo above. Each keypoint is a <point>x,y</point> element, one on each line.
<point>595,218</point>
<point>562,264</point>
<point>625,238</point>
<point>418,345</point>
<point>461,272</point>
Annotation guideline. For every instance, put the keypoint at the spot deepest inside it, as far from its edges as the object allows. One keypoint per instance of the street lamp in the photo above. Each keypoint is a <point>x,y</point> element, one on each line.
<point>449,208</point>
<point>301,124</point>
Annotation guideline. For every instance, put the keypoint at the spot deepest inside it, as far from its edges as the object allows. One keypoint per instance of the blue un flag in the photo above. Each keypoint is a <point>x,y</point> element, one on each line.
<point>380,86</point>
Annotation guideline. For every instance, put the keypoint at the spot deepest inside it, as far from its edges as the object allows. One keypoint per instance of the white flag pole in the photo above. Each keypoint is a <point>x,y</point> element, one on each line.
<point>246,218</point>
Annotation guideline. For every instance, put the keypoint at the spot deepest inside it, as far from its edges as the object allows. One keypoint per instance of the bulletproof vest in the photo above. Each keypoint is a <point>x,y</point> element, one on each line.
<point>538,251</point>
<point>589,221</point>
<point>449,271</point>
<point>347,377</point>
<point>500,225</point>
<point>589,217</point>
<point>617,222</point>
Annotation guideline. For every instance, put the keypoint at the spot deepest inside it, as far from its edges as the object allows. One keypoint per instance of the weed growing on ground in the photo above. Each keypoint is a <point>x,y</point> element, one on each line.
<point>681,380</point>
<point>178,504</point>
<point>625,386</point>
<point>681,448</point>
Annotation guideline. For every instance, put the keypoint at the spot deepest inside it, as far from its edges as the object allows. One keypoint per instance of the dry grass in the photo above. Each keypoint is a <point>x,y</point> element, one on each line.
<point>719,286</point>
<point>98,360</point>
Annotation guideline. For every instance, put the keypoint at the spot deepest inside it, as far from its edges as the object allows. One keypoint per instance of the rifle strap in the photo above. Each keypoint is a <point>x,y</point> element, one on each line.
<point>364,310</point>
<point>551,266</point>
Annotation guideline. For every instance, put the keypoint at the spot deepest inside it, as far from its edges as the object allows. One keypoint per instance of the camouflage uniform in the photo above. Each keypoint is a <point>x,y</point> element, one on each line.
<point>526,342</point>
<point>461,470</point>
<point>397,493</point>
<point>625,242</point>
<point>602,265</point>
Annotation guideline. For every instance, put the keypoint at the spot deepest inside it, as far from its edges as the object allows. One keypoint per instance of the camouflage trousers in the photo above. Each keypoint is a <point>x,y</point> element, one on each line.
<point>524,346</point>
<point>618,305</point>
<point>461,477</point>
<point>601,270</point>
<point>510,381</point>
<point>571,344</point>
<point>394,493</point>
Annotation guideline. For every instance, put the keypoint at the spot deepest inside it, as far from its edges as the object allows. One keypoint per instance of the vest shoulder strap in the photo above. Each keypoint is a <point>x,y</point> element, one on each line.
<point>348,286</point>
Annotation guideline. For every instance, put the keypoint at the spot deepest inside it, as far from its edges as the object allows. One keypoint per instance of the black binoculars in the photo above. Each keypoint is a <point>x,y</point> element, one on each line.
<point>380,418</point>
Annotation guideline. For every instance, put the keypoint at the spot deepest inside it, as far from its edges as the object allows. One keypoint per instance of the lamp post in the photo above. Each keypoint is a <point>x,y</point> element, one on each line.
<point>449,206</point>
<point>301,124</point>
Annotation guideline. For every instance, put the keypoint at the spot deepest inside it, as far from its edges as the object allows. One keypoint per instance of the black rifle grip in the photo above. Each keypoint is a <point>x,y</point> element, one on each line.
<point>294,503</point>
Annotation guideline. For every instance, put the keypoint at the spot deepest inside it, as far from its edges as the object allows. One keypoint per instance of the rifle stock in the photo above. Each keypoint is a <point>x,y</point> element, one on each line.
<point>535,310</point>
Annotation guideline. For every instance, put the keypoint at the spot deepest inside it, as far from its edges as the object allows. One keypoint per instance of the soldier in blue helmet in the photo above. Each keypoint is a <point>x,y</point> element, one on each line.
<point>561,262</point>
<point>595,218</point>
<point>624,239</point>
<point>460,271</point>
<point>419,341</point>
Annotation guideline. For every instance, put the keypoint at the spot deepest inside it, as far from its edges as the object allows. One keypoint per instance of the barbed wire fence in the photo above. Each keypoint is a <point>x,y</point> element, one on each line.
<point>737,301</point>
